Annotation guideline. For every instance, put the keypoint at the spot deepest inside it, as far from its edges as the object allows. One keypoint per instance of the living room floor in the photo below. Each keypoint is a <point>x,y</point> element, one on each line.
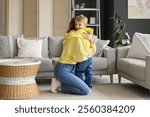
<point>102,90</point>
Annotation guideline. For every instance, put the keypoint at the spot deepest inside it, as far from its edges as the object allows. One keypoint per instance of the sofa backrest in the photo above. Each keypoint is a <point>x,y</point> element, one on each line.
<point>52,46</point>
<point>56,46</point>
<point>9,48</point>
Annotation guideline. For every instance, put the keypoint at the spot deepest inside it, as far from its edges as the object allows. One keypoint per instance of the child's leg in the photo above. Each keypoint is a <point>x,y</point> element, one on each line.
<point>80,68</point>
<point>89,74</point>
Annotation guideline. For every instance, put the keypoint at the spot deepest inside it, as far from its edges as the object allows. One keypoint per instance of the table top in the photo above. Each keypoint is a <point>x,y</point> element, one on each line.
<point>19,62</point>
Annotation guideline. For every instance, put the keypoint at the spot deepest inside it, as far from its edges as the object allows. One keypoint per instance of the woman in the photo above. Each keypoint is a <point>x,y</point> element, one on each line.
<point>72,53</point>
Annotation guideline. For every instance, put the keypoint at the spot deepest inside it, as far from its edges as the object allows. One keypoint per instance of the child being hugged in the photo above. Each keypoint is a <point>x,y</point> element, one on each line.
<point>86,65</point>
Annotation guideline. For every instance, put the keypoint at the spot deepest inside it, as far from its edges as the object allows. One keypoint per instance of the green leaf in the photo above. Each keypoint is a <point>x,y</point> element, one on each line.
<point>119,27</point>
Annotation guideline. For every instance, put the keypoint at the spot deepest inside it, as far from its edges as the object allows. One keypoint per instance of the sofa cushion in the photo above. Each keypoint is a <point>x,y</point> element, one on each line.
<point>45,52</point>
<point>46,65</point>
<point>99,63</point>
<point>55,46</point>
<point>140,46</point>
<point>8,46</point>
<point>133,67</point>
<point>29,48</point>
<point>100,45</point>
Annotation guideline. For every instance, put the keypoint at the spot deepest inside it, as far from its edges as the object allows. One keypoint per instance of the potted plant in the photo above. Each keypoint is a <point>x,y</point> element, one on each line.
<point>120,37</point>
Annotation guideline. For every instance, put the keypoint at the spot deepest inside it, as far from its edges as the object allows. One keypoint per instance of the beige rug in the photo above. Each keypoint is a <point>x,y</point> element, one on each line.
<point>102,90</point>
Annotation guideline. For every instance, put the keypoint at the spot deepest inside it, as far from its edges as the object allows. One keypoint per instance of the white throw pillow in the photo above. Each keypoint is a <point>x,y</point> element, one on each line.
<point>100,45</point>
<point>29,48</point>
<point>140,46</point>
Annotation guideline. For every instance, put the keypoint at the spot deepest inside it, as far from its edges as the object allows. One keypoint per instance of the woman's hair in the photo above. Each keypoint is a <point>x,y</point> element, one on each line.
<point>71,25</point>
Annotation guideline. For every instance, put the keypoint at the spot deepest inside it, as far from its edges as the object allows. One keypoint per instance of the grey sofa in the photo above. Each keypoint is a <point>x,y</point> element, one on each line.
<point>135,70</point>
<point>52,47</point>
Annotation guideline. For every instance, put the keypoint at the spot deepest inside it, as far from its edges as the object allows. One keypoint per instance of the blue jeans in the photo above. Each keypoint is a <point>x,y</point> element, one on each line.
<point>70,83</point>
<point>86,68</point>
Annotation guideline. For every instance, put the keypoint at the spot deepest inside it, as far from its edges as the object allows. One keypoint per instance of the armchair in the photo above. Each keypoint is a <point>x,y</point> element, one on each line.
<point>133,69</point>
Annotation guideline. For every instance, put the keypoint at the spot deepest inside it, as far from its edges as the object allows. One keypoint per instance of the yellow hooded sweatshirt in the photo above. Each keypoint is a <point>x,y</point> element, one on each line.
<point>76,47</point>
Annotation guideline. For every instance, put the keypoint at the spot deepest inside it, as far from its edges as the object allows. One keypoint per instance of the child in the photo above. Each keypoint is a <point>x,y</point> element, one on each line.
<point>86,65</point>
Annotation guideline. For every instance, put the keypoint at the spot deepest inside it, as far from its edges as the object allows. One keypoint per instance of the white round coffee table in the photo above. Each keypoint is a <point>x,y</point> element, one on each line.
<point>17,78</point>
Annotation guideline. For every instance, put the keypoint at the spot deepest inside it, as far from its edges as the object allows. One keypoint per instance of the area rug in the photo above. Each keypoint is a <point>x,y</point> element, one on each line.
<point>102,90</point>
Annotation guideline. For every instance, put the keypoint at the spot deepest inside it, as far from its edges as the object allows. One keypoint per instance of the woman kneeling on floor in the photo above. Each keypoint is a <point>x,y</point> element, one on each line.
<point>75,50</point>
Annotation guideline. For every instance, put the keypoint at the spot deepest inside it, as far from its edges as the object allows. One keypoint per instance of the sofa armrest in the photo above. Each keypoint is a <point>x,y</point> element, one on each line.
<point>110,54</point>
<point>121,52</point>
<point>148,71</point>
